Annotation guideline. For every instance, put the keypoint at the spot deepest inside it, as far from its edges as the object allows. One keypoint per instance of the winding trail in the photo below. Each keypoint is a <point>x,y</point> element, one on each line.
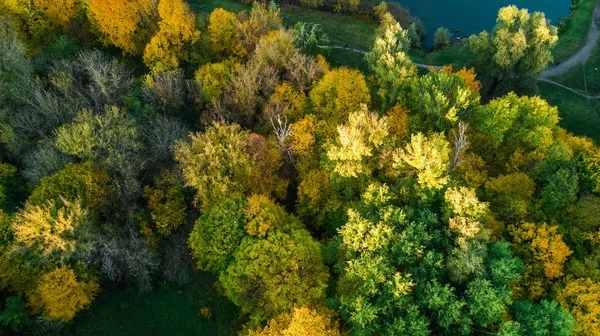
<point>582,55</point>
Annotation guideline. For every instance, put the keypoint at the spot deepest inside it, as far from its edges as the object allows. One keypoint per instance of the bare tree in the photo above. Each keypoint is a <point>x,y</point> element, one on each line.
<point>282,131</point>
<point>460,144</point>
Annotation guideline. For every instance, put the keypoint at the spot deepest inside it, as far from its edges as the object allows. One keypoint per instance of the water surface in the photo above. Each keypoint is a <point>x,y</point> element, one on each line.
<point>473,16</point>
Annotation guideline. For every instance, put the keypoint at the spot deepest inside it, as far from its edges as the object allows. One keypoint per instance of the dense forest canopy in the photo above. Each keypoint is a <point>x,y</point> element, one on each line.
<point>139,141</point>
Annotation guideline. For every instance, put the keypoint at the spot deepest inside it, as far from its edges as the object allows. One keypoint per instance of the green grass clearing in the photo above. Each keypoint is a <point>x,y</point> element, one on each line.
<point>578,115</point>
<point>166,310</point>
<point>575,78</point>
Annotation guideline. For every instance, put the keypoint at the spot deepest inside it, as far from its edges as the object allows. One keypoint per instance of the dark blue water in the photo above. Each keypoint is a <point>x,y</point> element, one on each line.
<point>473,16</point>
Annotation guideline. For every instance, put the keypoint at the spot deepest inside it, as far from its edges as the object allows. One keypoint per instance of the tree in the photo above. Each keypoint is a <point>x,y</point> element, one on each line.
<point>228,159</point>
<point>176,28</point>
<point>544,318</point>
<point>439,99</point>
<point>126,24</point>
<point>338,93</point>
<point>301,321</point>
<point>213,79</point>
<point>544,253</point>
<point>61,295</point>
<point>428,157</point>
<point>519,122</point>
<point>309,37</point>
<point>53,233</point>
<point>83,181</point>
<point>167,206</point>
<point>510,195</point>
<point>217,233</point>
<point>518,48</point>
<point>223,33</point>
<point>441,38</point>
<point>261,21</point>
<point>268,276</point>
<point>356,142</point>
<point>466,212</point>
<point>389,62</point>
<point>581,298</point>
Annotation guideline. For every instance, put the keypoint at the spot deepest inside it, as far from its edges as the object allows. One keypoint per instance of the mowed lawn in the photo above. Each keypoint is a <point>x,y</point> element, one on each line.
<point>166,310</point>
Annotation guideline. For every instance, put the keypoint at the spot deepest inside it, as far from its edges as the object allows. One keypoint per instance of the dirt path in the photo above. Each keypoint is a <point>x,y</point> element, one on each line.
<point>582,55</point>
<point>419,65</point>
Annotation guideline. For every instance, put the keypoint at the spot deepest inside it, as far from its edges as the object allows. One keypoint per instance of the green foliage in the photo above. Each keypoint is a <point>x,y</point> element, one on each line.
<point>389,62</point>
<point>518,47</point>
<point>228,159</point>
<point>83,181</point>
<point>441,38</point>
<point>519,122</point>
<point>268,276</point>
<point>309,37</point>
<point>437,100</point>
<point>167,206</point>
<point>218,233</point>
<point>14,313</point>
<point>544,318</point>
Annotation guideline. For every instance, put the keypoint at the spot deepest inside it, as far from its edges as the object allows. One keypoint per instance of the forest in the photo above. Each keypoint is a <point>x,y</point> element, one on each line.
<point>147,145</point>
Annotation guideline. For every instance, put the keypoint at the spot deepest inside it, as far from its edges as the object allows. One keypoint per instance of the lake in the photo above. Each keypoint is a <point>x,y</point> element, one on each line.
<point>473,16</point>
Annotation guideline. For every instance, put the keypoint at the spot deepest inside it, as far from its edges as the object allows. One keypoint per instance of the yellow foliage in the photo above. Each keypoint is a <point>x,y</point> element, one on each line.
<point>123,23</point>
<point>223,33</point>
<point>302,135</point>
<point>177,26</point>
<point>285,101</point>
<point>582,298</point>
<point>398,120</point>
<point>213,79</point>
<point>59,12</point>
<point>545,254</point>
<point>262,217</point>
<point>61,295</point>
<point>301,321</point>
<point>356,141</point>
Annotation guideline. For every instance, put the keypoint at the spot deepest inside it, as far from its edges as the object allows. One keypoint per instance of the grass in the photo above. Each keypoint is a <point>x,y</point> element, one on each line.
<point>578,115</point>
<point>166,310</point>
<point>575,78</point>
<point>573,35</point>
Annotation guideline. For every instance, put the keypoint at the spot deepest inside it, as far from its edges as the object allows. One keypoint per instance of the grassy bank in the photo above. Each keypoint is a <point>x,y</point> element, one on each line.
<point>585,77</point>
<point>579,115</point>
<point>166,310</point>
<point>573,35</point>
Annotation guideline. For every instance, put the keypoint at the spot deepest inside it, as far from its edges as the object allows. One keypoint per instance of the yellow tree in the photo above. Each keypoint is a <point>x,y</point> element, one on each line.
<point>223,33</point>
<point>59,12</point>
<point>177,27</point>
<point>582,298</point>
<point>301,321</point>
<point>356,141</point>
<point>544,253</point>
<point>126,24</point>
<point>61,295</point>
<point>428,157</point>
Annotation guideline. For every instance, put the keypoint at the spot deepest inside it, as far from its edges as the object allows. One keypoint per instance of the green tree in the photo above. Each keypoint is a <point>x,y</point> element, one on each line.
<point>81,181</point>
<point>441,38</point>
<point>392,68</point>
<point>518,48</point>
<point>438,100</point>
<point>217,234</point>
<point>309,37</point>
<point>427,157</point>
<point>228,159</point>
<point>268,276</point>
<point>544,318</point>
